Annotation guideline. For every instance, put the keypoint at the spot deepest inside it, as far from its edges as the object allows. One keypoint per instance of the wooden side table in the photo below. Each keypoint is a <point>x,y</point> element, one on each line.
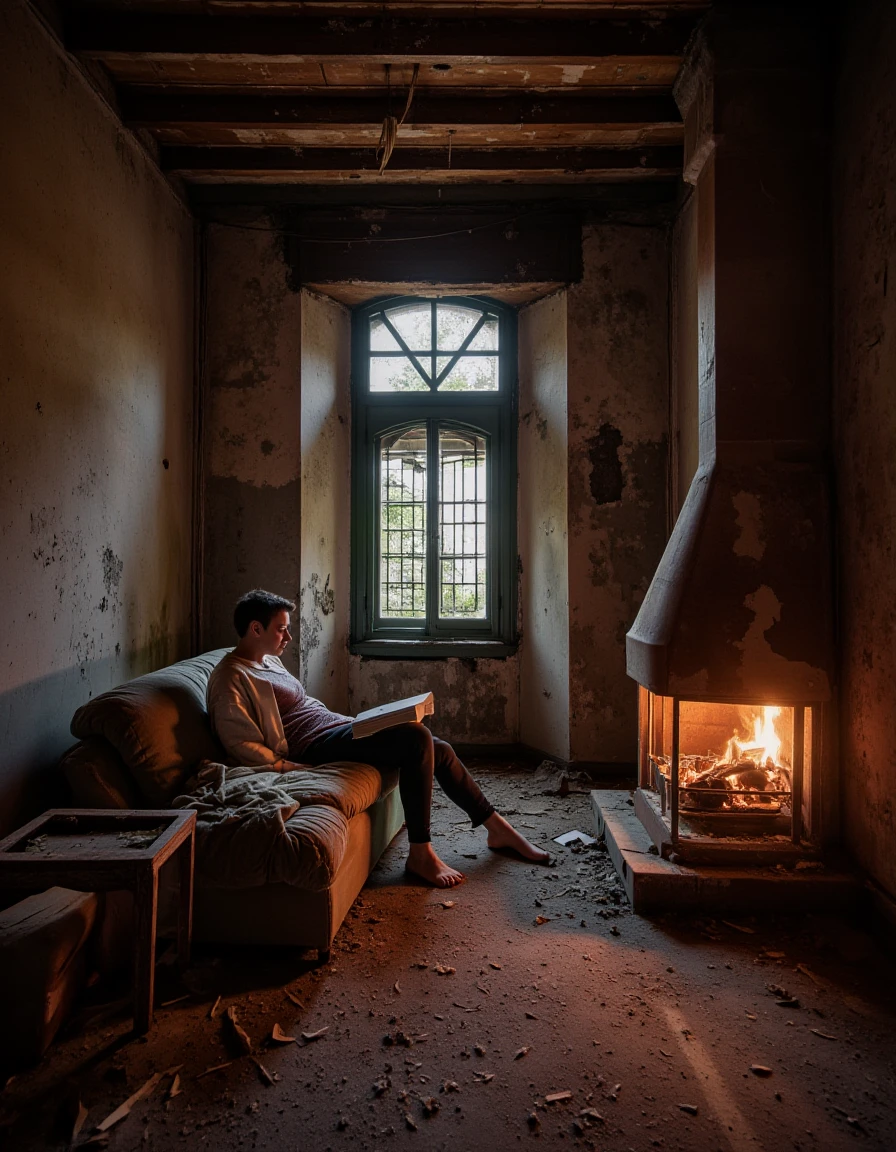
<point>98,850</point>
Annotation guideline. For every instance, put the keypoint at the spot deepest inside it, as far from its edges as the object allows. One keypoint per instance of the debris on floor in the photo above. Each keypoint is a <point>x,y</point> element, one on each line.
<point>471,1029</point>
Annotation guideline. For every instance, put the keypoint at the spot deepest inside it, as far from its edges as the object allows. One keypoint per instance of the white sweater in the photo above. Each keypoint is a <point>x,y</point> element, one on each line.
<point>245,717</point>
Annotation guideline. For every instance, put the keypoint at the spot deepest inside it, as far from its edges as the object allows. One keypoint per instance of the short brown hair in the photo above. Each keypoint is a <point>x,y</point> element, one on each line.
<point>258,605</point>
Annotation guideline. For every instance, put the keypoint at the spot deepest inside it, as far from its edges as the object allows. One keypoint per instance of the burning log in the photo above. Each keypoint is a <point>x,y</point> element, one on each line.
<point>710,794</point>
<point>748,775</point>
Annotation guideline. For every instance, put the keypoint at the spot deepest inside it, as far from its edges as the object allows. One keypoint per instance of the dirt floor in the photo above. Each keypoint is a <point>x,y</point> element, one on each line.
<point>448,1020</point>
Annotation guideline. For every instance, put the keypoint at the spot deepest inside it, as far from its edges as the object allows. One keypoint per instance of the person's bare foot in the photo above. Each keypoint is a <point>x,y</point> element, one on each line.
<point>502,834</point>
<point>423,862</point>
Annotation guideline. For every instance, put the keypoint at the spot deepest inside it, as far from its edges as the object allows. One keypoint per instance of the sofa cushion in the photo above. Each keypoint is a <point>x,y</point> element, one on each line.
<point>97,776</point>
<point>350,787</point>
<point>304,850</point>
<point>158,724</point>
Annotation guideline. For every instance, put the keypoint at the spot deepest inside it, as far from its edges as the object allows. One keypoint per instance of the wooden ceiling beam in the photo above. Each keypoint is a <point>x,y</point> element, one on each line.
<point>224,162</point>
<point>148,108</point>
<point>542,37</point>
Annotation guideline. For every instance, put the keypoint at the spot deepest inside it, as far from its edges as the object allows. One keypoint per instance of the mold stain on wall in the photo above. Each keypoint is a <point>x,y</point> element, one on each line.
<point>317,601</point>
<point>606,467</point>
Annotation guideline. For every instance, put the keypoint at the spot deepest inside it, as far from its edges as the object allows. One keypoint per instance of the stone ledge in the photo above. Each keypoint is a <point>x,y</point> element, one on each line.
<point>656,885</point>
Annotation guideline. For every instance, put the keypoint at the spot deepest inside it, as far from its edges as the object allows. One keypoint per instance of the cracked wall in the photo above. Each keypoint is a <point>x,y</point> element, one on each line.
<point>618,403</point>
<point>252,506</point>
<point>865,430</point>
<point>96,295</point>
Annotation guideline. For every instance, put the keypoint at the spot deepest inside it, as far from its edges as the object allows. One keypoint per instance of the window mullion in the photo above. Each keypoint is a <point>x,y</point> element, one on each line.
<point>434,343</point>
<point>432,524</point>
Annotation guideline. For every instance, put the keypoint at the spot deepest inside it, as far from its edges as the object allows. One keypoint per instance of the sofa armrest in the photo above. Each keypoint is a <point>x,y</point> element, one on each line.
<point>98,778</point>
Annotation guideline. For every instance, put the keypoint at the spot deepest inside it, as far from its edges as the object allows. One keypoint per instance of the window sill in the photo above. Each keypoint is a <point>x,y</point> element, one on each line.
<point>433,649</point>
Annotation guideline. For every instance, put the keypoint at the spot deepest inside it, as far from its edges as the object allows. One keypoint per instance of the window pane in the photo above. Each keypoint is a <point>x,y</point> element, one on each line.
<point>381,339</point>
<point>486,339</point>
<point>454,324</point>
<point>413,322</point>
<point>462,525</point>
<point>402,517</point>
<point>470,374</point>
<point>395,374</point>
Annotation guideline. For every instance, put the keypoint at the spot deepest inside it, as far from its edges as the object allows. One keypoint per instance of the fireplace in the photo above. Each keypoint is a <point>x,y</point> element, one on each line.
<point>732,650</point>
<point>728,782</point>
<point>733,645</point>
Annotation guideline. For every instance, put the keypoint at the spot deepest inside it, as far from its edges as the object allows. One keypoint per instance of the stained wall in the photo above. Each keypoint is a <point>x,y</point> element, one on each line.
<point>325,499</point>
<point>618,398</point>
<point>544,527</point>
<point>684,366</point>
<point>864,218</point>
<point>252,425</point>
<point>96,327</point>
<point>477,701</point>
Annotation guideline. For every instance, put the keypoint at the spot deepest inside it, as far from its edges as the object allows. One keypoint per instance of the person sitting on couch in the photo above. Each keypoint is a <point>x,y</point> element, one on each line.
<point>264,718</point>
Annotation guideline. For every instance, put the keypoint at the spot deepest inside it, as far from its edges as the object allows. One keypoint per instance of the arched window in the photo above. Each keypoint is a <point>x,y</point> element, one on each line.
<point>434,477</point>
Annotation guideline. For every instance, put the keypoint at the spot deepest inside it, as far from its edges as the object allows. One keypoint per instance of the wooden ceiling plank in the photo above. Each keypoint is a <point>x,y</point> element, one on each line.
<point>454,178</point>
<point>508,39</point>
<point>483,136</point>
<point>188,159</point>
<point>150,109</point>
<point>202,74</point>
<point>624,9</point>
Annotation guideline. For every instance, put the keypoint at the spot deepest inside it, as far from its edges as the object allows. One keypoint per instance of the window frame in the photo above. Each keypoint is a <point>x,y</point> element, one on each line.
<point>490,414</point>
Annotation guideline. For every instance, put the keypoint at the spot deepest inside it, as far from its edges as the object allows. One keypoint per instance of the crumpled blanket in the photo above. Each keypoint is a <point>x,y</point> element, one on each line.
<point>256,827</point>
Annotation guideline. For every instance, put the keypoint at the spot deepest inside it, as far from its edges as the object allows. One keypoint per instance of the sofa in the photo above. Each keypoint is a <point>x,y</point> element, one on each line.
<point>141,745</point>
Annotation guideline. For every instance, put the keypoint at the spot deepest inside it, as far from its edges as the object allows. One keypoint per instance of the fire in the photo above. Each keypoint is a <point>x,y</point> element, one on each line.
<point>766,745</point>
<point>751,773</point>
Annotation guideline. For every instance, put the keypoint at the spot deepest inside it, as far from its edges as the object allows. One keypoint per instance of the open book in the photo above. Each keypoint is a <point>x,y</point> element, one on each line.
<point>408,711</point>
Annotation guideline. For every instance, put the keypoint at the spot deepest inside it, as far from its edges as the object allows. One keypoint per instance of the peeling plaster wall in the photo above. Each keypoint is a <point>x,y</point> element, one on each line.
<point>865,424</point>
<point>96,327</point>
<point>252,427</point>
<point>685,353</point>
<point>326,499</point>
<point>543,531</point>
<point>618,402</point>
<point>477,701</point>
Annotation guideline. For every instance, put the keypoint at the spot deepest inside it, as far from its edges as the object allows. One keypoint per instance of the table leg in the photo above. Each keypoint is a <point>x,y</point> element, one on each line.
<point>146,906</point>
<point>185,907</point>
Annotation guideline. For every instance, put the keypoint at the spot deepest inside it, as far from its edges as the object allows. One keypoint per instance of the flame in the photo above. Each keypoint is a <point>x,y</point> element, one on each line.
<point>766,744</point>
<point>749,775</point>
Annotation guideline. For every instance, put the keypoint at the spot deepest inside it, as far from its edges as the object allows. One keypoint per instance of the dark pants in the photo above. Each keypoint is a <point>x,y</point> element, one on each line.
<point>418,756</point>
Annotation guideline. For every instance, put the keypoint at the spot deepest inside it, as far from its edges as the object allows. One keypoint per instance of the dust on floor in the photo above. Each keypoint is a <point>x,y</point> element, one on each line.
<point>448,1020</point>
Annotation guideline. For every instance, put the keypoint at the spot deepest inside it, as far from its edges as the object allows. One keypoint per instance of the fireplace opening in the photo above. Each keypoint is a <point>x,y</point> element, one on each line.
<point>722,778</point>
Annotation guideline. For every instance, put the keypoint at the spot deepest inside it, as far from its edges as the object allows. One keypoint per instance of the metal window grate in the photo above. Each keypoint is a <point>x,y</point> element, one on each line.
<point>462,525</point>
<point>403,525</point>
